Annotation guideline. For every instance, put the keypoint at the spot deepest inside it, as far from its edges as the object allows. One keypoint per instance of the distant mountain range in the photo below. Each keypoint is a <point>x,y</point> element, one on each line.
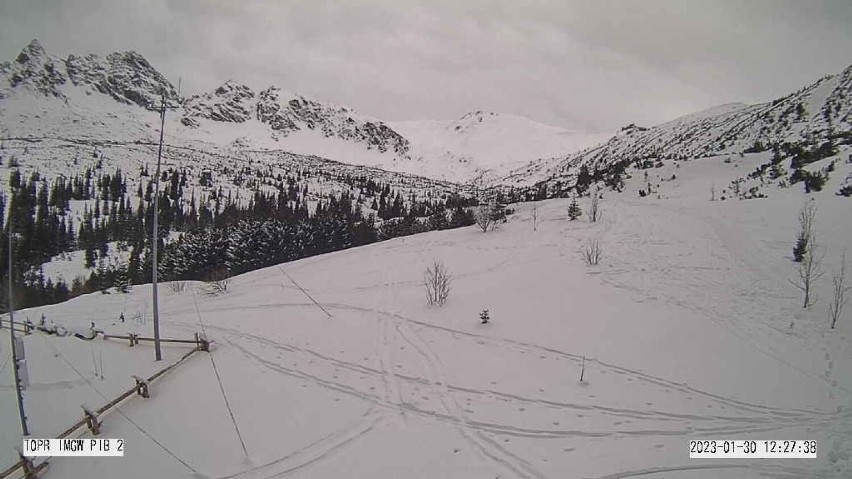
<point>808,117</point>
<point>115,98</point>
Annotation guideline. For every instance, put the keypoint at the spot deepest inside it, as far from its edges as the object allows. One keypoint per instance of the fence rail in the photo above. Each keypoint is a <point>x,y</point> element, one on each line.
<point>90,419</point>
<point>20,326</point>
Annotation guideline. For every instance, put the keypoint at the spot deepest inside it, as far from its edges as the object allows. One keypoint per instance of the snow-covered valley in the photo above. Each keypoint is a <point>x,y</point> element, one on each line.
<point>336,366</point>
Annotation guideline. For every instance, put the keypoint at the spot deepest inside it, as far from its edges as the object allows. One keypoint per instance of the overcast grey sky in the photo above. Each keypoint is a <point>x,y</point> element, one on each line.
<point>591,65</point>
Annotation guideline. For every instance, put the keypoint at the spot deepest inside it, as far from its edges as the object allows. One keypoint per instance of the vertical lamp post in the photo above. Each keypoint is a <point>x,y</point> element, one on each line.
<point>158,353</point>
<point>24,429</point>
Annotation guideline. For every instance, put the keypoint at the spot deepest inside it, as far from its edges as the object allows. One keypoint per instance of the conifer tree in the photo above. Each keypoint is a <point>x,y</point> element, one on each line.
<point>574,210</point>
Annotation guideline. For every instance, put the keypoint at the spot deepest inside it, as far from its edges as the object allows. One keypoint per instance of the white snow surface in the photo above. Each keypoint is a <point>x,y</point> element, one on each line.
<point>689,329</point>
<point>488,144</point>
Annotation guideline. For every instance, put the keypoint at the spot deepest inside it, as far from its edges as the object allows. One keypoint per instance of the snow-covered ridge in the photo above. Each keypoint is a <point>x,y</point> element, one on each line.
<point>809,116</point>
<point>125,76</point>
<point>95,97</point>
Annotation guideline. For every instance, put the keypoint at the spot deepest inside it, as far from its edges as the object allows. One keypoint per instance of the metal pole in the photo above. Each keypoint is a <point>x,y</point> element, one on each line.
<point>158,353</point>
<point>24,429</point>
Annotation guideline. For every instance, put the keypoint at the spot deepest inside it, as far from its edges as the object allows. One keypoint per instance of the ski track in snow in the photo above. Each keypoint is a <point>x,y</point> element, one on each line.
<point>392,326</point>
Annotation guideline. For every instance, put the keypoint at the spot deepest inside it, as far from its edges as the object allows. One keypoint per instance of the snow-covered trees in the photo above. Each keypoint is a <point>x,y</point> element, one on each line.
<point>122,281</point>
<point>436,280</point>
<point>253,245</point>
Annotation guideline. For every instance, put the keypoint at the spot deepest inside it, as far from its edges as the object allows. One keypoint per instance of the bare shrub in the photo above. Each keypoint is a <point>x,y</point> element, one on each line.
<point>217,283</point>
<point>808,271</point>
<point>807,219</point>
<point>535,218</point>
<point>177,286</point>
<point>484,216</point>
<point>594,211</point>
<point>437,280</point>
<point>592,252</point>
<point>839,299</point>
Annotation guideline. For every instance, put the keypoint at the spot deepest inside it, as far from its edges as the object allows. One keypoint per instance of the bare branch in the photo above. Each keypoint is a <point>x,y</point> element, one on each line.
<point>437,280</point>
<point>592,252</point>
<point>839,290</point>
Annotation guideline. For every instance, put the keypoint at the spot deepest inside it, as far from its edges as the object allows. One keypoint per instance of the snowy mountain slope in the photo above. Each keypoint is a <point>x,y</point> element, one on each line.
<point>491,144</point>
<point>807,117</point>
<point>689,330</point>
<point>88,96</point>
<point>126,77</point>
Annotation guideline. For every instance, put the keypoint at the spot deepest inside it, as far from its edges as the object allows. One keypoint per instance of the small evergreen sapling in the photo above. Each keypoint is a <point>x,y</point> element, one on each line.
<point>574,210</point>
<point>484,317</point>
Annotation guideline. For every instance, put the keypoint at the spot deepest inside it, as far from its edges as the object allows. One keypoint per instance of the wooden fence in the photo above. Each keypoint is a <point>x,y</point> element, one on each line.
<point>91,419</point>
<point>20,326</point>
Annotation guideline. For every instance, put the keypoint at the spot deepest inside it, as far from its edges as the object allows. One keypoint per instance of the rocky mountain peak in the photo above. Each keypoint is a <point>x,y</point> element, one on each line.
<point>33,52</point>
<point>126,76</point>
<point>228,103</point>
<point>33,67</point>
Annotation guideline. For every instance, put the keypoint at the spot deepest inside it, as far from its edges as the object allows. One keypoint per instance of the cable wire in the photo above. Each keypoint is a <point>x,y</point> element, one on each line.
<point>218,378</point>
<point>303,291</point>
<point>118,410</point>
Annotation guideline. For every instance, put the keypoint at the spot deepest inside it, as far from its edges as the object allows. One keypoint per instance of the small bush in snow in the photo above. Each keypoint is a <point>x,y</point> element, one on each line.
<point>592,252</point>
<point>594,211</point>
<point>487,215</point>
<point>574,210</point>
<point>177,286</point>
<point>484,316</point>
<point>437,281</point>
<point>807,218</point>
<point>840,290</point>
<point>217,283</point>
<point>535,218</point>
<point>808,271</point>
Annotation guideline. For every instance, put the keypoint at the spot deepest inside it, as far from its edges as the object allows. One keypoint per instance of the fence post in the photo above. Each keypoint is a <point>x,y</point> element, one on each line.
<point>142,387</point>
<point>92,422</point>
<point>201,342</point>
<point>30,471</point>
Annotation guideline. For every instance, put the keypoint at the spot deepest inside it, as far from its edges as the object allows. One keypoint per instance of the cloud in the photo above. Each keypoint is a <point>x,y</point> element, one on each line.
<point>587,65</point>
